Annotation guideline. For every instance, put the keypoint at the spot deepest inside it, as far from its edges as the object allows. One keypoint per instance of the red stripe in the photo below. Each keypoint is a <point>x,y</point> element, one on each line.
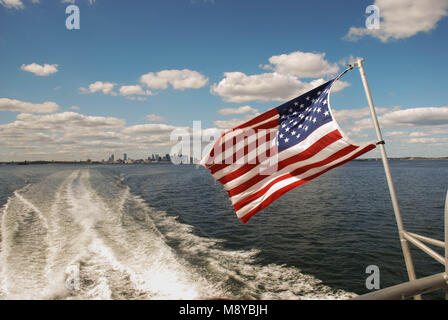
<point>262,117</point>
<point>246,167</point>
<point>341,153</point>
<point>242,152</point>
<point>316,147</point>
<point>218,148</point>
<point>293,185</point>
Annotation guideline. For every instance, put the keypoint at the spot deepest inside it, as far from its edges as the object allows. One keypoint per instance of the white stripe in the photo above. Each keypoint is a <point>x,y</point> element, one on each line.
<point>209,160</point>
<point>233,133</point>
<point>285,154</point>
<point>281,184</point>
<point>228,154</point>
<point>320,156</point>
<point>251,158</point>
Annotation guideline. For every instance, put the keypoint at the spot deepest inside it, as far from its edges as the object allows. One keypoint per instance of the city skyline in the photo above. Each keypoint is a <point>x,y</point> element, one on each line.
<point>137,71</point>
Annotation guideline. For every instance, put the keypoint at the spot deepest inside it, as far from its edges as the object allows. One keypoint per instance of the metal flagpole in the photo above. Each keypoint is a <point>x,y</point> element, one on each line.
<point>398,218</point>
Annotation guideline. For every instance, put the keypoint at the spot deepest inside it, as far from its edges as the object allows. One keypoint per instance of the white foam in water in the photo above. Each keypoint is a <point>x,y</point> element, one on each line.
<point>103,242</point>
<point>260,282</point>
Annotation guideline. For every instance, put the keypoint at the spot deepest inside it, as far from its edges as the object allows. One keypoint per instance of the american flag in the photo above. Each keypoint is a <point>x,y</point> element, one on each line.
<point>279,150</point>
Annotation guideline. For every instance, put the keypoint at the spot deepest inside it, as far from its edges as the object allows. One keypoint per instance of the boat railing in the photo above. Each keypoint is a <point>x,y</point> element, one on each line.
<point>415,288</point>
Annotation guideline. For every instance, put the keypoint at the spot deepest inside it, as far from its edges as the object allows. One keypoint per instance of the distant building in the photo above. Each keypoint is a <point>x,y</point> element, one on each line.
<point>125,157</point>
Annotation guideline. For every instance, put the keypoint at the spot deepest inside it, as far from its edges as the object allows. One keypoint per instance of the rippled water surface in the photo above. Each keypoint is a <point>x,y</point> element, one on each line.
<point>169,232</point>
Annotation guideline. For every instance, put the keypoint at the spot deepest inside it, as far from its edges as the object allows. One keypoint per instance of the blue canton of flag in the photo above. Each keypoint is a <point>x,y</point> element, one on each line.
<point>302,116</point>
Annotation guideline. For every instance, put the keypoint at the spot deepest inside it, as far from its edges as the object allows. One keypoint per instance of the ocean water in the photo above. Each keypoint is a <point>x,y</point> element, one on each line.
<point>169,232</point>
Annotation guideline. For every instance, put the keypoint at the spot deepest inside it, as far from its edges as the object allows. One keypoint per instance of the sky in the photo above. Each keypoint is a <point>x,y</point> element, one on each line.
<point>137,70</point>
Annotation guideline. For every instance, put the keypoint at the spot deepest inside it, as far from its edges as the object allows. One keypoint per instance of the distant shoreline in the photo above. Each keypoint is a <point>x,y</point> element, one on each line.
<point>169,163</point>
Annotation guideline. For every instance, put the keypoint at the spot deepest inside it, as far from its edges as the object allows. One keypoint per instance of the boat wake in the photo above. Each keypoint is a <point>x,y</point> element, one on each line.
<point>83,235</point>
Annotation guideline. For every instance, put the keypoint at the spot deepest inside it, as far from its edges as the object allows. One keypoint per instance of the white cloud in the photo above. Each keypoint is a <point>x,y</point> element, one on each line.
<point>136,98</point>
<point>156,128</point>
<point>133,90</point>
<point>238,87</point>
<point>21,106</point>
<point>232,123</point>
<point>91,2</point>
<point>178,79</point>
<point>16,4</point>
<point>63,122</point>
<point>303,65</point>
<point>413,117</point>
<point>240,110</point>
<point>346,115</point>
<point>403,19</point>
<point>155,117</point>
<point>104,87</point>
<point>429,141</point>
<point>401,127</point>
<point>40,70</point>
<point>283,83</point>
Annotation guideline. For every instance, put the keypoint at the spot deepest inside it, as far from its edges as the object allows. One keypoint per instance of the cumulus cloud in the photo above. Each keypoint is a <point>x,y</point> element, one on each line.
<point>40,70</point>
<point>73,1</point>
<point>155,117</point>
<point>430,141</point>
<point>178,79</point>
<point>231,123</point>
<point>284,82</point>
<point>16,4</point>
<point>238,87</point>
<point>134,90</point>
<point>21,106</point>
<point>63,122</point>
<point>413,117</point>
<point>426,125</point>
<point>240,110</point>
<point>156,128</point>
<point>347,115</point>
<point>303,65</point>
<point>71,135</point>
<point>403,19</point>
<point>104,87</point>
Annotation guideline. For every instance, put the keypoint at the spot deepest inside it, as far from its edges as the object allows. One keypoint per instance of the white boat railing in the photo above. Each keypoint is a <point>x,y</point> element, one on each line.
<point>415,287</point>
<point>424,285</point>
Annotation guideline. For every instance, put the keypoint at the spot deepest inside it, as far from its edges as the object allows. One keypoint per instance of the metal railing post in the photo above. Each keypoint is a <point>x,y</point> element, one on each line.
<point>398,218</point>
<point>446,244</point>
